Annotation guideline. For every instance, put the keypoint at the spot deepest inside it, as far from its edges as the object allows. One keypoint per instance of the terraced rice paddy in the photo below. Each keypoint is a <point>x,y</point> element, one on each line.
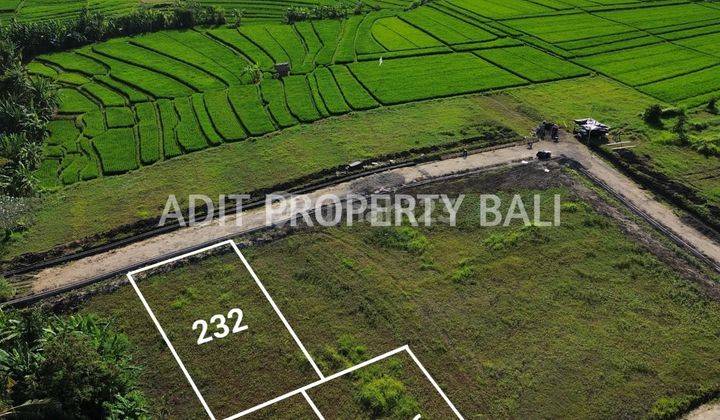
<point>175,92</point>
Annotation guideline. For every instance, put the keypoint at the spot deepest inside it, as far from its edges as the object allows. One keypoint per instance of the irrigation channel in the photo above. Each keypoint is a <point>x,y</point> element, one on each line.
<point>117,259</point>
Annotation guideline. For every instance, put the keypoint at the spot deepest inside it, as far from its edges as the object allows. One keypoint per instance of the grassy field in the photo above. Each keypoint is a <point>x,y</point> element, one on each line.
<point>575,321</point>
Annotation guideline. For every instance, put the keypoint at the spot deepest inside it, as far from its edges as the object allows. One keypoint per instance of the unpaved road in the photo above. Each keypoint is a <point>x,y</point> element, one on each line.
<point>706,412</point>
<point>119,259</point>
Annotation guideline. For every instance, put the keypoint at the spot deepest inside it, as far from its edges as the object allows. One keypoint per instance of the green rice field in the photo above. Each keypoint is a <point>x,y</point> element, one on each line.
<point>176,92</point>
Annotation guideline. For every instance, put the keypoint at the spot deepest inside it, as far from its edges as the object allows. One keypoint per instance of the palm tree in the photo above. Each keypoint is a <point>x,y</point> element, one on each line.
<point>18,180</point>
<point>44,94</point>
<point>255,72</point>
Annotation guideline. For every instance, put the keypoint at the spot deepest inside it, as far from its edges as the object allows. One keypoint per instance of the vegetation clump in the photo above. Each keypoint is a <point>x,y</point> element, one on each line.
<point>404,238</point>
<point>681,130</point>
<point>73,367</point>
<point>379,391</point>
<point>653,115</point>
<point>712,106</point>
<point>89,27</point>
<point>26,106</point>
<point>7,291</point>
<point>387,397</point>
<point>667,408</point>
<point>335,11</point>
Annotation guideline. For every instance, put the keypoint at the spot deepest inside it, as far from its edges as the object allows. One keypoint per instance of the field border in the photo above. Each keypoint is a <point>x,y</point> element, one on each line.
<point>302,390</point>
<point>165,338</point>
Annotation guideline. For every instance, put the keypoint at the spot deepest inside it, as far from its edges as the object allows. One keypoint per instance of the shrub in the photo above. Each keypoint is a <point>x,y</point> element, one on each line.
<point>78,367</point>
<point>335,11</point>
<point>681,130</point>
<point>417,3</point>
<point>36,38</point>
<point>712,106</point>
<point>404,238</point>
<point>666,408</point>
<point>653,115</point>
<point>7,291</point>
<point>387,397</point>
<point>464,273</point>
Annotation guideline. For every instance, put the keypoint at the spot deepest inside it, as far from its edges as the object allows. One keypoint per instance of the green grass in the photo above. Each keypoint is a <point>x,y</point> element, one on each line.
<point>355,94</point>
<point>411,79</point>
<point>531,64</point>
<point>169,121</point>
<point>261,37</point>
<point>331,95</point>
<point>328,31</point>
<point>93,123</point>
<point>233,39</point>
<point>206,124</point>
<point>149,133</point>
<point>187,50</point>
<point>105,96</point>
<point>649,64</point>
<point>158,63</point>
<point>299,99</point>
<point>70,61</point>
<point>273,94</point>
<point>345,52</point>
<point>245,101</point>
<point>395,34</point>
<point>223,117</point>
<point>157,84</point>
<point>188,130</point>
<point>445,27</point>
<point>116,148</point>
<point>119,117</point>
<point>74,102</point>
<point>504,339</point>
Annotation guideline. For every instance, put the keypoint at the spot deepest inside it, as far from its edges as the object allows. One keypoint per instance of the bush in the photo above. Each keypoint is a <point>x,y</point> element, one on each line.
<point>335,11</point>
<point>7,291</point>
<point>653,115</point>
<point>404,238</point>
<point>76,365</point>
<point>387,397</point>
<point>667,408</point>
<point>464,273</point>
<point>712,106</point>
<point>681,130</point>
<point>36,38</point>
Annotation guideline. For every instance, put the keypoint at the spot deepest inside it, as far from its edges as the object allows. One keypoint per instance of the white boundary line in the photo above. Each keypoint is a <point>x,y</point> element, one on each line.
<point>167,340</point>
<point>302,390</point>
<point>376,359</point>
<point>313,406</point>
<point>172,349</point>
<point>432,381</point>
<point>277,310</point>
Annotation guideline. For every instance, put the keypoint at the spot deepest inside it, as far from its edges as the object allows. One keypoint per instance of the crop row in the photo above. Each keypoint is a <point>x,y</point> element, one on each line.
<point>122,138</point>
<point>416,78</point>
<point>649,64</point>
<point>531,64</point>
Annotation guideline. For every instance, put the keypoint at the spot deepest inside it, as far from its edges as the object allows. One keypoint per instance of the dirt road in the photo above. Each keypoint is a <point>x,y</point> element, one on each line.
<point>709,411</point>
<point>179,240</point>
